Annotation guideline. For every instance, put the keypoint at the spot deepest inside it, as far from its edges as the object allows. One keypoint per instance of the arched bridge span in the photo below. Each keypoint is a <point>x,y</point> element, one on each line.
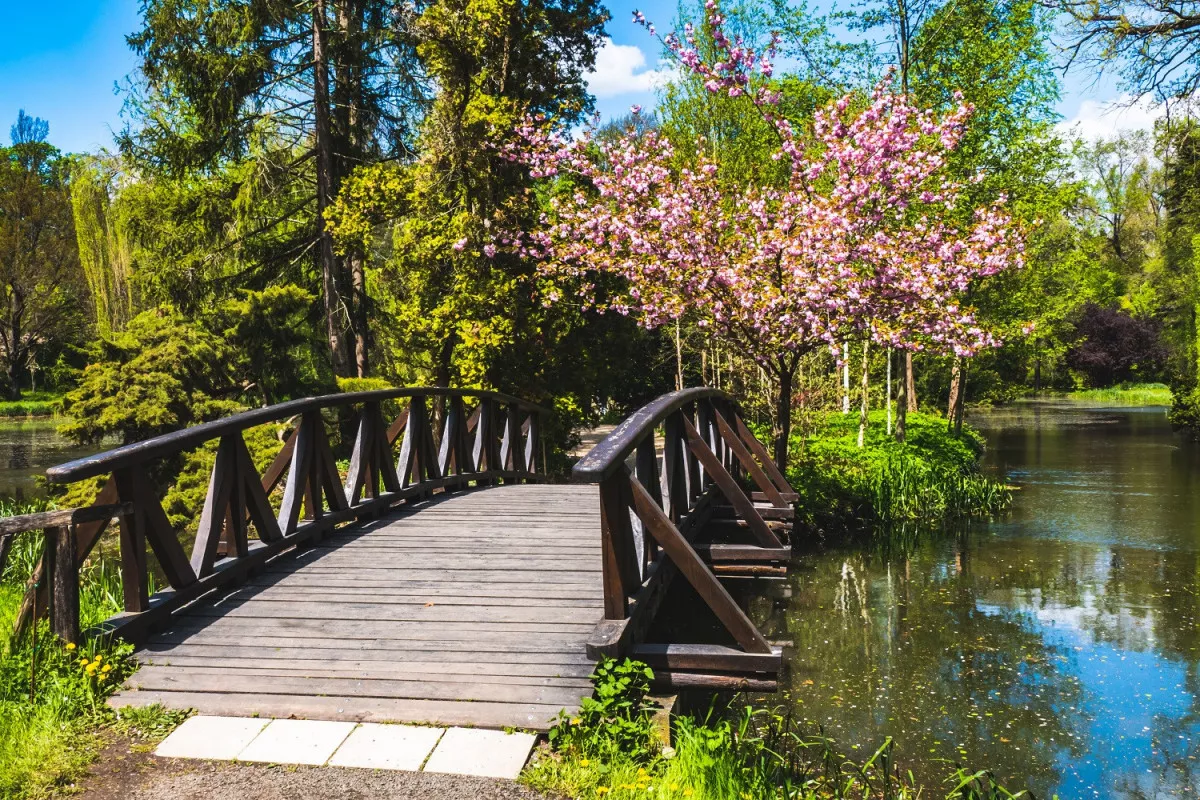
<point>443,575</point>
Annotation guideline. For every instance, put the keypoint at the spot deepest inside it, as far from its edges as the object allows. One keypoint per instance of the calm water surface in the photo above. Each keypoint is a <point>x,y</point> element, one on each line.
<point>1058,646</point>
<point>27,448</point>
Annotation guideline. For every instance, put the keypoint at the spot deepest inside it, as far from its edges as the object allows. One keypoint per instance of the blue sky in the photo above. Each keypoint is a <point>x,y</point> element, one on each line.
<point>61,60</point>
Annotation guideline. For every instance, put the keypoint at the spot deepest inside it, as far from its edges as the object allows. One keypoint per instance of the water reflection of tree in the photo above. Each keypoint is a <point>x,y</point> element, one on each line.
<point>903,649</point>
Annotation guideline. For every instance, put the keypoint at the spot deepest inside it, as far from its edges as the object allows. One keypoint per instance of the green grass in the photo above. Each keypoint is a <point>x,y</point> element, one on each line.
<point>52,696</point>
<point>1126,394</point>
<point>609,753</point>
<point>933,476</point>
<point>32,404</point>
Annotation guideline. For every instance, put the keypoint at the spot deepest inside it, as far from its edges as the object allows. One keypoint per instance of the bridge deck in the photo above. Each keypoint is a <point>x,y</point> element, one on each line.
<point>471,609</point>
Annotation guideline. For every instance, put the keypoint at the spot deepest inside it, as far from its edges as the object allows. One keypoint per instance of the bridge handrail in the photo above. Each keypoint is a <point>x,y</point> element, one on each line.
<point>499,441</point>
<point>615,449</point>
<point>189,438</point>
<point>653,510</point>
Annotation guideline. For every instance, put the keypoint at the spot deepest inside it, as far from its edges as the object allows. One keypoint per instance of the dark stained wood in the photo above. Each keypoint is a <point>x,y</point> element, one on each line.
<point>706,657</point>
<point>768,463</point>
<point>64,583</point>
<point>685,558</point>
<point>189,438</point>
<point>733,493</point>
<point>669,680</point>
<point>386,615</point>
<point>739,450</point>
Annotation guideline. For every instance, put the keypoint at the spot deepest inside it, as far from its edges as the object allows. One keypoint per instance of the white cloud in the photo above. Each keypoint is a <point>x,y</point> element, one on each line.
<point>621,69</point>
<point>1096,119</point>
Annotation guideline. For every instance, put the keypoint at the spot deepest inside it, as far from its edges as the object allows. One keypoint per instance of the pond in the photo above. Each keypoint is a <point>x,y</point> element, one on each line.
<point>1058,646</point>
<point>27,448</point>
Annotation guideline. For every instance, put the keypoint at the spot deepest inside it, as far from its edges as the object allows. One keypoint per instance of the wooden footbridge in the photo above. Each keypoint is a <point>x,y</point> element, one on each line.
<point>446,577</point>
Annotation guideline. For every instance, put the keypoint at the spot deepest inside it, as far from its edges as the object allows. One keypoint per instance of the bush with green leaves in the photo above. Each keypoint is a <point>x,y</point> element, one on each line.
<point>931,476</point>
<point>616,718</point>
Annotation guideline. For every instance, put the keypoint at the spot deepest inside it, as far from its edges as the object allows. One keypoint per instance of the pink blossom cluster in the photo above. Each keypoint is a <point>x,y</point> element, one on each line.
<point>862,240</point>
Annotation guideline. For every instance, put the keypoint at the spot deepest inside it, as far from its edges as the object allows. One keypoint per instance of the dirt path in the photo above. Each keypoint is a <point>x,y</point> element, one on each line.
<point>129,771</point>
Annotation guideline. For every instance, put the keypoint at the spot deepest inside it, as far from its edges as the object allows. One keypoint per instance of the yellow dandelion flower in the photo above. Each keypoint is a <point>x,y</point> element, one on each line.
<point>99,657</point>
<point>70,645</point>
<point>583,762</point>
<point>687,792</point>
<point>601,790</point>
<point>642,771</point>
<point>674,786</point>
<point>91,668</point>
<point>106,668</point>
<point>575,720</point>
<point>83,662</point>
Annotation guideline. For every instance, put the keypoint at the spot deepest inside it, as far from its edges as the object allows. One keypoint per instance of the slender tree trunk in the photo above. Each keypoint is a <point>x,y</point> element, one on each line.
<point>845,377</point>
<point>955,380</point>
<point>444,362</point>
<point>678,359</point>
<point>783,414</point>
<point>889,391</point>
<point>960,409</point>
<point>325,188</point>
<point>863,419</point>
<point>901,409</point>
<point>361,333</point>
<point>910,384</point>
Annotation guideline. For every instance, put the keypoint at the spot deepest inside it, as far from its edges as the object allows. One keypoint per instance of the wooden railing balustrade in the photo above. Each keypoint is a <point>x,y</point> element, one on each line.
<point>498,440</point>
<point>664,511</point>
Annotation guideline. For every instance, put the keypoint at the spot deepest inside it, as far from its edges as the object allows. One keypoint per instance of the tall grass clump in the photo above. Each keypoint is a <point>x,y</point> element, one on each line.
<point>1125,394</point>
<point>610,751</point>
<point>32,404</point>
<point>931,477</point>
<point>52,695</point>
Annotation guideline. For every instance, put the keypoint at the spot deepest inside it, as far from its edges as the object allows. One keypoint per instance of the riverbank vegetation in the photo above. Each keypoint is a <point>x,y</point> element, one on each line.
<point>611,751</point>
<point>53,716</point>
<point>32,404</point>
<point>931,477</point>
<point>1126,394</point>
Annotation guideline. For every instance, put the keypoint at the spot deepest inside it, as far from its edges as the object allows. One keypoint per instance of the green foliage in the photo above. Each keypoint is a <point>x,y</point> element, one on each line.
<point>933,475</point>
<point>608,752</point>
<point>616,719</point>
<point>162,373</point>
<point>33,404</point>
<point>363,384</point>
<point>1126,394</point>
<point>166,371</point>
<point>52,696</point>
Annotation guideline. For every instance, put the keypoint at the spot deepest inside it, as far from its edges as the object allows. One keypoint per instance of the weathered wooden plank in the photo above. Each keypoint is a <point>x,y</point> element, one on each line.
<point>471,645</point>
<point>175,672</point>
<point>260,608</point>
<point>302,661</point>
<point>706,657</point>
<point>392,596</point>
<point>467,660</point>
<point>169,680</point>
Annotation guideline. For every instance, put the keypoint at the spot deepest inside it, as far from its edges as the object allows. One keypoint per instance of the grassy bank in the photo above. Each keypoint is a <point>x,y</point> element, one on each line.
<point>932,476</point>
<point>33,404</point>
<point>52,696</point>
<point>609,752</point>
<point>1126,394</point>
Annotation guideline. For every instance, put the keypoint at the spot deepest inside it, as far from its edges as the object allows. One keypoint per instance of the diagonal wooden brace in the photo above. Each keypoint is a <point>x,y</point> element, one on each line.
<point>747,461</point>
<point>685,558</point>
<point>728,486</point>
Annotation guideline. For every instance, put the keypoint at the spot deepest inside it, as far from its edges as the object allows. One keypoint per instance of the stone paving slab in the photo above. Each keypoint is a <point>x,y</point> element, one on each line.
<point>374,746</point>
<point>490,754</point>
<point>457,751</point>
<point>297,741</point>
<point>214,738</point>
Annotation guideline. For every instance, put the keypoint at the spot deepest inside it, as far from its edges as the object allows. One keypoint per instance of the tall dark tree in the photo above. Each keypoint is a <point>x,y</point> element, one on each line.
<point>41,288</point>
<point>454,307</point>
<point>304,92</point>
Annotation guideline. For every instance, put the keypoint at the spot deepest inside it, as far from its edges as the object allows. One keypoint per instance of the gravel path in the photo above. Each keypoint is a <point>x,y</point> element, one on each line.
<point>132,773</point>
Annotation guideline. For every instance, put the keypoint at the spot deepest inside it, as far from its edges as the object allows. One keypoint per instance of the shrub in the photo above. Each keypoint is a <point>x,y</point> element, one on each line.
<point>931,476</point>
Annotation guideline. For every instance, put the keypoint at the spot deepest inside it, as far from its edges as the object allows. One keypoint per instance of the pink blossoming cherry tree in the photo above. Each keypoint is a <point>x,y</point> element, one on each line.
<point>862,240</point>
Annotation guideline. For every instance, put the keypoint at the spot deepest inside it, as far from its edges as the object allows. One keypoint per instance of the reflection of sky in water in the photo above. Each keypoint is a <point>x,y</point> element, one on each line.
<point>1057,646</point>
